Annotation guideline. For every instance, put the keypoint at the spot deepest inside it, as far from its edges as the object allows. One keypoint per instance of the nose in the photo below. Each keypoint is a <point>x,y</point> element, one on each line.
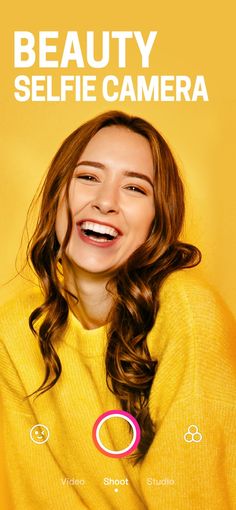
<point>106,199</point>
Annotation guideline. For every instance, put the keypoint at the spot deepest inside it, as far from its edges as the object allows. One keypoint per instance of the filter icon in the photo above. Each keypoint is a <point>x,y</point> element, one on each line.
<point>192,435</point>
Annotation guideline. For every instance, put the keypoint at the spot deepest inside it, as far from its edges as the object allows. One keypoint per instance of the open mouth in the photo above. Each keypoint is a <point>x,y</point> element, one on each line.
<point>98,232</point>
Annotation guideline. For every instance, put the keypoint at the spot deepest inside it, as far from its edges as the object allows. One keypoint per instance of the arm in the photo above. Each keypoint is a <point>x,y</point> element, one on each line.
<point>195,474</point>
<point>195,385</point>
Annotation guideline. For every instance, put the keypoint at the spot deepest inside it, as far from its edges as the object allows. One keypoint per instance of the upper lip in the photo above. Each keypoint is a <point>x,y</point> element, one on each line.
<point>93,220</point>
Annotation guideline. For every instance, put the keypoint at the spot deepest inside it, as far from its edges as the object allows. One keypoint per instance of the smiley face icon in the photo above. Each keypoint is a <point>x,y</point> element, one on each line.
<point>39,433</point>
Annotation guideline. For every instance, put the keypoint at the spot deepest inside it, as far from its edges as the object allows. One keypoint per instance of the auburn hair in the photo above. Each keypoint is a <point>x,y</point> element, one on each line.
<point>129,368</point>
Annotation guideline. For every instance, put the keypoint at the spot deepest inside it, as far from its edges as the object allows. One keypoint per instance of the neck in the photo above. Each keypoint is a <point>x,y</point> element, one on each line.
<point>94,301</point>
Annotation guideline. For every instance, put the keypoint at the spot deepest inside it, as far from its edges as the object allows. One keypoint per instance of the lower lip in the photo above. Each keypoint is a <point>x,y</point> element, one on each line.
<point>101,244</point>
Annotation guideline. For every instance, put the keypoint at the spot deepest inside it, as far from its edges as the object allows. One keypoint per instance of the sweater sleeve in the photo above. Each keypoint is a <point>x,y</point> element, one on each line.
<point>192,460</point>
<point>32,473</point>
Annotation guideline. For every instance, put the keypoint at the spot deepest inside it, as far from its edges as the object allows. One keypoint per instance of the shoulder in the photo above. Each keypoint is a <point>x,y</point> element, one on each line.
<point>187,284</point>
<point>185,294</point>
<point>194,340</point>
<point>194,311</point>
<point>15,312</point>
<point>21,365</point>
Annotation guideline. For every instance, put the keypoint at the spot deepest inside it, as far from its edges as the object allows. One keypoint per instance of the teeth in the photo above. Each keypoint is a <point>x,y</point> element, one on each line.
<point>97,227</point>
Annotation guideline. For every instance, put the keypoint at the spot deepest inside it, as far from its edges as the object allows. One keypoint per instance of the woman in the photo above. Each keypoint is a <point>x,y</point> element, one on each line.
<point>120,323</point>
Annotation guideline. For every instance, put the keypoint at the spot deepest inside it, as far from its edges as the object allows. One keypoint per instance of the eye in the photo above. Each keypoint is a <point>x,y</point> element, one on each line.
<point>86,177</point>
<point>136,189</point>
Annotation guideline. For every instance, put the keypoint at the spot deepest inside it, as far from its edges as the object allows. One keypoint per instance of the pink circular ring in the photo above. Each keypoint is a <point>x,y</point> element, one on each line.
<point>120,414</point>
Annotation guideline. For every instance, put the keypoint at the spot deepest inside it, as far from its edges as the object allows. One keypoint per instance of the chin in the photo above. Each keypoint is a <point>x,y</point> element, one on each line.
<point>92,268</point>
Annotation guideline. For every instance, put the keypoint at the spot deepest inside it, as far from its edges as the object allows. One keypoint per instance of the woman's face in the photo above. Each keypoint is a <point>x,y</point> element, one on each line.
<point>111,199</point>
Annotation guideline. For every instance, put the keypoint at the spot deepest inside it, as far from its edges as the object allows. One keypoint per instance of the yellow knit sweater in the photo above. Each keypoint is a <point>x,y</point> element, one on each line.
<point>191,464</point>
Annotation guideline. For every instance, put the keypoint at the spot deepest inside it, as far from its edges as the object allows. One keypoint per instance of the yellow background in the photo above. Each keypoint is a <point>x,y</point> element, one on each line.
<point>193,38</point>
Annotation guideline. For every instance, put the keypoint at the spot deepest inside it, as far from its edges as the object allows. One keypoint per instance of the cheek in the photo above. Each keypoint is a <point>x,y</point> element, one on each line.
<point>143,219</point>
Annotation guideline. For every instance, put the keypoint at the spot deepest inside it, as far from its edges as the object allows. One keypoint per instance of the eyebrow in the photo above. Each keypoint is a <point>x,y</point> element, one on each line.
<point>127,173</point>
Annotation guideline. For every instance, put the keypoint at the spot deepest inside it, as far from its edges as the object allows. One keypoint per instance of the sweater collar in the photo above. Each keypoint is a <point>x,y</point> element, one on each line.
<point>89,342</point>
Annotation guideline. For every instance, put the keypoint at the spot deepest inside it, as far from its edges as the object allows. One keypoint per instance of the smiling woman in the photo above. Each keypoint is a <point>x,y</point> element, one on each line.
<point>111,200</point>
<point>120,326</point>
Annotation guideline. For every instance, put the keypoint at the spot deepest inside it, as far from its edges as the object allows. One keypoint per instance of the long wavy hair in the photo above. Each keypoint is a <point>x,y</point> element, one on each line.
<point>129,368</point>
